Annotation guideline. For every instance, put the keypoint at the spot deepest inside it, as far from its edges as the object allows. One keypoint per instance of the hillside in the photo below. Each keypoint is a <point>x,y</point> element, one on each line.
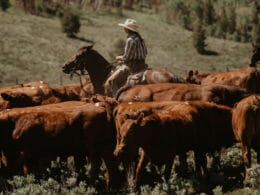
<point>34,48</point>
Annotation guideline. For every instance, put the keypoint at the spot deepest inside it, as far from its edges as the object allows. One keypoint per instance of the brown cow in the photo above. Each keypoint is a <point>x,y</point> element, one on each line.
<point>132,110</point>
<point>248,78</point>
<point>221,94</point>
<point>29,94</point>
<point>246,126</point>
<point>199,126</point>
<point>68,128</point>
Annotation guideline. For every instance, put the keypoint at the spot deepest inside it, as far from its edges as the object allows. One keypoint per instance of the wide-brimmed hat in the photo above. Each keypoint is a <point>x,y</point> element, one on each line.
<point>130,24</point>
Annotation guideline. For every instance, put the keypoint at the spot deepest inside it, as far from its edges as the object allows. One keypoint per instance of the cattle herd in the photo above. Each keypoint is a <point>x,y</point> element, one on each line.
<point>145,123</point>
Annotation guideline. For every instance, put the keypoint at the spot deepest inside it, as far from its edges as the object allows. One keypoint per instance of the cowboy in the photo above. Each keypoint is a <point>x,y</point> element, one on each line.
<point>133,59</point>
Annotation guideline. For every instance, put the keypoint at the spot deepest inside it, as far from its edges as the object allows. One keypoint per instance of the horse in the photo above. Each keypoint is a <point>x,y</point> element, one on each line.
<point>99,70</point>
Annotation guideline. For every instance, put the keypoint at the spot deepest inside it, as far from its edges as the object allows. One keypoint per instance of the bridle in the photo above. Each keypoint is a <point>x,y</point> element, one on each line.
<point>81,71</point>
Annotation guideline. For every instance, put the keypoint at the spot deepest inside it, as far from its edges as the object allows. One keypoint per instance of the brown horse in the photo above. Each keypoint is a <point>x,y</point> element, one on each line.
<point>99,69</point>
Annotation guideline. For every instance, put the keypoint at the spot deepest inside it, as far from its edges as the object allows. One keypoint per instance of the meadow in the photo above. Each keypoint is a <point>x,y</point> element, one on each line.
<point>34,48</point>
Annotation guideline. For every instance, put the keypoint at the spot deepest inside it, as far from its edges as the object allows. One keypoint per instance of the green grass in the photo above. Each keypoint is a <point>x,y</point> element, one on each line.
<point>34,48</point>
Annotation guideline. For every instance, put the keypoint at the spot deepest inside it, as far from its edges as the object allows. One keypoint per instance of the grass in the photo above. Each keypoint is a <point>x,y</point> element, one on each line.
<point>34,48</point>
<point>62,179</point>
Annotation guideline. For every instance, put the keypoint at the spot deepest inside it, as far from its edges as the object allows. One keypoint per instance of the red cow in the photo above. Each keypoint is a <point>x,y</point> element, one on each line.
<point>69,128</point>
<point>248,78</point>
<point>221,94</point>
<point>246,126</point>
<point>199,126</point>
<point>29,94</point>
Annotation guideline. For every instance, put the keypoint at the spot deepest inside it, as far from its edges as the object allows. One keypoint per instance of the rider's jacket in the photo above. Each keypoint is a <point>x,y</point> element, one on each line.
<point>135,53</point>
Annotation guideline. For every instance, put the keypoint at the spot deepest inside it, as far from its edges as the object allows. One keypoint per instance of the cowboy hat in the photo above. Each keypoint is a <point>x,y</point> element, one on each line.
<point>130,24</point>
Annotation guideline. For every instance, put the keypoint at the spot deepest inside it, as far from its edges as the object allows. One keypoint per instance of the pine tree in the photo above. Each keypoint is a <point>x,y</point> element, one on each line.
<point>209,12</point>
<point>199,10</point>
<point>199,37</point>
<point>232,19</point>
<point>223,22</point>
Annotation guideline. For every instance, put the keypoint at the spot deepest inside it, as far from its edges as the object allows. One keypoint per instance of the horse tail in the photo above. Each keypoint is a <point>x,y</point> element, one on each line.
<point>121,90</point>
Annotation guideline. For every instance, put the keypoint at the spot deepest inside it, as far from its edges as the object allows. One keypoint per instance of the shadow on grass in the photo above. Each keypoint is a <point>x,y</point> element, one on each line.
<point>81,39</point>
<point>209,53</point>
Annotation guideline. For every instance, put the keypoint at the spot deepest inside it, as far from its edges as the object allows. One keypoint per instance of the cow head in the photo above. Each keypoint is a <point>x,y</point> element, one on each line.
<point>21,99</point>
<point>195,77</point>
<point>127,139</point>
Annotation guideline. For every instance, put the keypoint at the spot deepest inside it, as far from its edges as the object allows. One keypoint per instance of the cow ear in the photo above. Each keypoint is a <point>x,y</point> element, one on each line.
<point>253,45</point>
<point>191,73</point>
<point>140,119</point>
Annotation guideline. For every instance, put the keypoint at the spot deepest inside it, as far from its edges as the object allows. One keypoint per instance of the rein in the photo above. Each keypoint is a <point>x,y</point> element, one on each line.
<point>82,72</point>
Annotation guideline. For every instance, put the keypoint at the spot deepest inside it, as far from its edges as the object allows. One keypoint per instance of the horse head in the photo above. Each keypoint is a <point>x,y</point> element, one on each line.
<point>256,55</point>
<point>88,59</point>
<point>77,62</point>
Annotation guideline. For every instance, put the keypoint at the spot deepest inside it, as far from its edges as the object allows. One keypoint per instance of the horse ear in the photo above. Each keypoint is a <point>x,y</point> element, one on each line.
<point>253,45</point>
<point>90,46</point>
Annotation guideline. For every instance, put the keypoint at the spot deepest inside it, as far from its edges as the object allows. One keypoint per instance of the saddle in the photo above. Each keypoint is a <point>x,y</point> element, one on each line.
<point>121,76</point>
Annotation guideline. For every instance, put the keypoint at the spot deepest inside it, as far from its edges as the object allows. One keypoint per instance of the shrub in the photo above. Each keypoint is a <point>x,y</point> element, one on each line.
<point>70,22</point>
<point>5,4</point>
<point>177,11</point>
